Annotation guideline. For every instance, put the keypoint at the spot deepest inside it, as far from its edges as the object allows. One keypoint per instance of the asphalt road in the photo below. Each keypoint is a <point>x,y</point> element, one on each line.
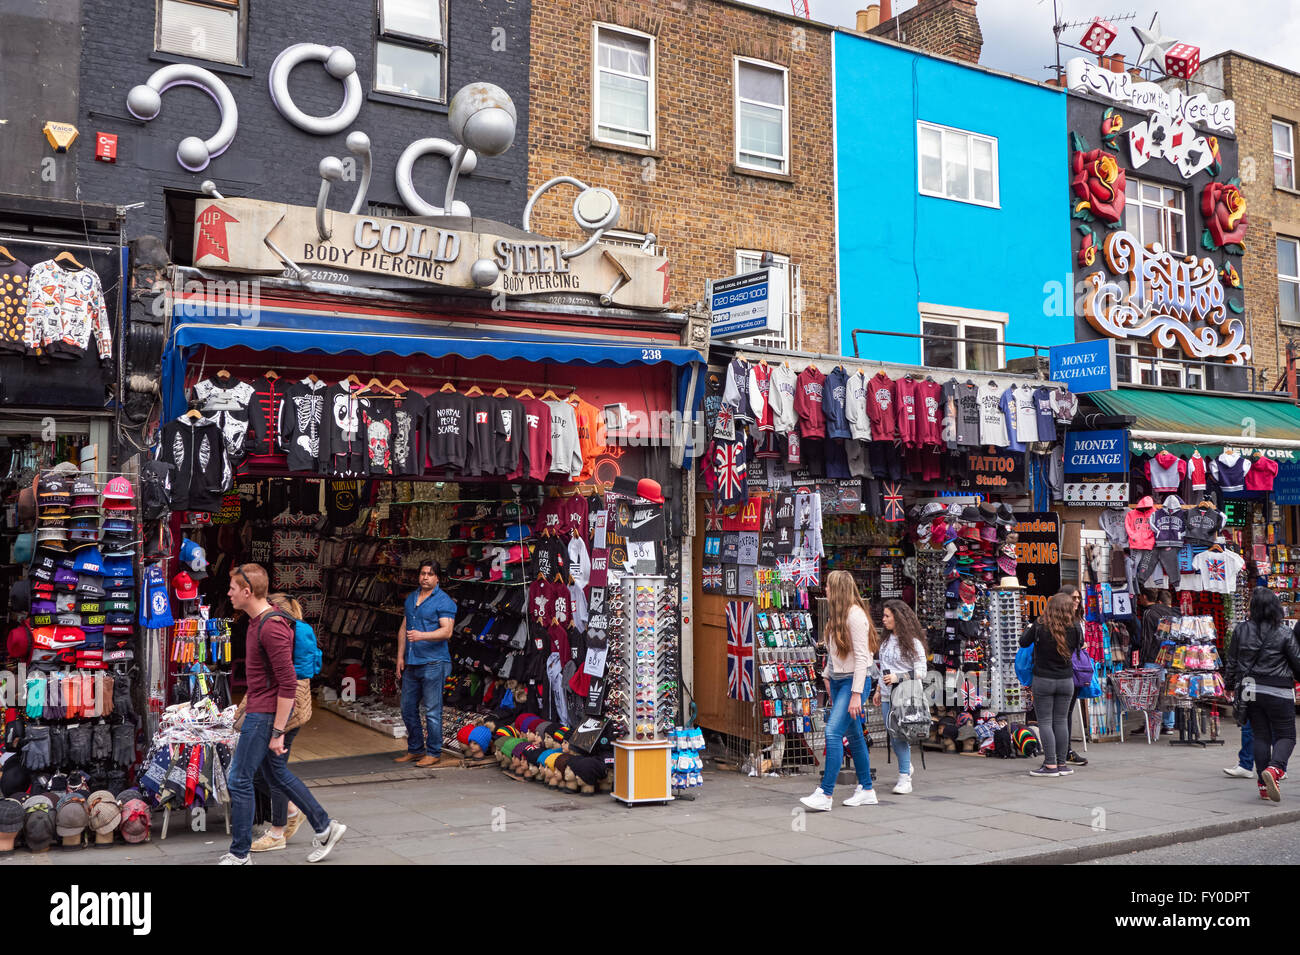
<point>1272,845</point>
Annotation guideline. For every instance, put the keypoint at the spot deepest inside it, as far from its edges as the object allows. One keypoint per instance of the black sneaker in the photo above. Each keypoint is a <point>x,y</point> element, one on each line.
<point>1043,770</point>
<point>1076,759</point>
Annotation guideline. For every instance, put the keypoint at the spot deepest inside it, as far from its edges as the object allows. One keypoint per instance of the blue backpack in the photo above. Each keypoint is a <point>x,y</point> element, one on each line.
<point>307,657</point>
<point>1025,665</point>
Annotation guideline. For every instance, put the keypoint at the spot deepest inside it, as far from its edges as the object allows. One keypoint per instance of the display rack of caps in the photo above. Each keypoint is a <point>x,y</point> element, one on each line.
<point>914,411</point>
<point>491,542</point>
<point>529,747</point>
<point>73,515</point>
<point>63,810</point>
<point>975,541</point>
<point>350,429</point>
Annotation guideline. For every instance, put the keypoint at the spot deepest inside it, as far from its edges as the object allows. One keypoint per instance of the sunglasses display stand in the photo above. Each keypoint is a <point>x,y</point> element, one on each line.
<point>643,758</point>
<point>1006,625</point>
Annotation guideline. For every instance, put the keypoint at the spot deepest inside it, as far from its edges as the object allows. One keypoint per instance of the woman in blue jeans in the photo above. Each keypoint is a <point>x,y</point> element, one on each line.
<point>902,656</point>
<point>1054,637</point>
<point>848,635</point>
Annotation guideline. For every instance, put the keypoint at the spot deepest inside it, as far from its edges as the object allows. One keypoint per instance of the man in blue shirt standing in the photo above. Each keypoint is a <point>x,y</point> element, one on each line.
<point>423,665</point>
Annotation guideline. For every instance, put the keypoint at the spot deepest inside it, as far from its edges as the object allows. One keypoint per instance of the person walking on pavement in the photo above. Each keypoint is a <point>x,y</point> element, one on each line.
<point>1264,666</point>
<point>423,665</point>
<point>1054,637</point>
<point>286,818</point>
<point>272,685</point>
<point>901,655</point>
<point>1245,768</point>
<point>848,635</point>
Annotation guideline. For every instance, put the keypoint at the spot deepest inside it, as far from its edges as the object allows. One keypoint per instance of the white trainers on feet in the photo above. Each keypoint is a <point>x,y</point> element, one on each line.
<point>1236,772</point>
<point>904,785</point>
<point>863,797</point>
<point>818,802</point>
<point>323,845</point>
<point>231,859</point>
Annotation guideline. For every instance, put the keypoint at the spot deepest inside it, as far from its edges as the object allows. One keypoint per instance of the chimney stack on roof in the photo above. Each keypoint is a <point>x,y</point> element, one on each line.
<point>869,18</point>
<point>946,27</point>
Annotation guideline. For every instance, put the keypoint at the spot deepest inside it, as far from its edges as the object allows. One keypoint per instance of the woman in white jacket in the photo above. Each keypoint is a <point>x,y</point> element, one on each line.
<point>848,634</point>
<point>902,657</point>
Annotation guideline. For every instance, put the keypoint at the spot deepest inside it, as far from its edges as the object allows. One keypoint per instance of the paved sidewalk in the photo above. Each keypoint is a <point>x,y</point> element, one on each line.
<point>964,810</point>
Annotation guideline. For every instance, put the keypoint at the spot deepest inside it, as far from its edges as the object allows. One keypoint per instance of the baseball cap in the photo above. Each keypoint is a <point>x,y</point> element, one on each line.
<point>185,587</point>
<point>118,494</point>
<point>53,490</point>
<point>193,556</point>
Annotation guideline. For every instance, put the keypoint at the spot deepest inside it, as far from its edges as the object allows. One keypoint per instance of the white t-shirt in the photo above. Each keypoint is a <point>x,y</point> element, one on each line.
<point>993,423</point>
<point>1218,570</point>
<point>1026,415</point>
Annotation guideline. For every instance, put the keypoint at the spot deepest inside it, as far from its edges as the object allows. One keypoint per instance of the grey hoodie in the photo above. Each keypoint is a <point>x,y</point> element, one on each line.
<point>1112,522</point>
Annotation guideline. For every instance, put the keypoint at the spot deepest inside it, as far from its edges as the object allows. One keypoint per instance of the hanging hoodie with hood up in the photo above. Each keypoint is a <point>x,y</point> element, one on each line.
<point>1138,525</point>
<point>1166,471</point>
<point>1169,523</point>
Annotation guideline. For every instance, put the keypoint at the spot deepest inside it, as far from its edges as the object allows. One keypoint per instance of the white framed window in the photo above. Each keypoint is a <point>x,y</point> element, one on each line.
<point>202,29</point>
<point>955,164</point>
<point>1155,213</point>
<point>982,349</point>
<point>623,95</point>
<point>762,115</point>
<point>785,297</point>
<point>1145,364</point>
<point>630,240</point>
<point>1283,154</point>
<point>1288,280</point>
<point>411,49</point>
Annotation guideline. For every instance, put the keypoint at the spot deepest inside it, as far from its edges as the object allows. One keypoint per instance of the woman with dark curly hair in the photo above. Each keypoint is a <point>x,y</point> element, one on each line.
<point>902,656</point>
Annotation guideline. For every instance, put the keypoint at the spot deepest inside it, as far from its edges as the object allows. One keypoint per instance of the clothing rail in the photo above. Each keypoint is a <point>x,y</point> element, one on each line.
<point>262,369</point>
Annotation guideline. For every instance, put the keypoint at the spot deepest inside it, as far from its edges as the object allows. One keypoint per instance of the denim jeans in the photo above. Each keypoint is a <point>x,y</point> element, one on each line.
<point>250,755</point>
<point>267,785</point>
<point>1272,722</point>
<point>1052,707</point>
<point>422,683</point>
<point>839,725</point>
<point>1246,755</point>
<point>902,749</point>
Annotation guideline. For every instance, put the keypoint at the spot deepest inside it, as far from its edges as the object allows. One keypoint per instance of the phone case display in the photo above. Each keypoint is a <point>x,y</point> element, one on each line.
<point>642,760</point>
<point>1006,625</point>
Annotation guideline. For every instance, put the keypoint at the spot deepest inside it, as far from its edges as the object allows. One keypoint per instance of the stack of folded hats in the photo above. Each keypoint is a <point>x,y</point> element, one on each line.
<point>119,607</point>
<point>83,524</point>
<point>117,534</point>
<point>54,499</point>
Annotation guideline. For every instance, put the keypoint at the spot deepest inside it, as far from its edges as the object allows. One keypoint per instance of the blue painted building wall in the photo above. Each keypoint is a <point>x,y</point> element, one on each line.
<point>898,248</point>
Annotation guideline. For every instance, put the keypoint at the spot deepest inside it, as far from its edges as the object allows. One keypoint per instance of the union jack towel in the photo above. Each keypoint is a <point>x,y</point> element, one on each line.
<point>808,572</point>
<point>711,577</point>
<point>787,566</point>
<point>740,649</point>
<point>712,516</point>
<point>729,464</point>
<point>893,500</point>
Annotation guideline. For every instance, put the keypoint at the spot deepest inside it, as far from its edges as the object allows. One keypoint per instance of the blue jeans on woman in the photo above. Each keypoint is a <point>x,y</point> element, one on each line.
<point>839,725</point>
<point>265,782</point>
<point>251,753</point>
<point>422,683</point>
<point>902,749</point>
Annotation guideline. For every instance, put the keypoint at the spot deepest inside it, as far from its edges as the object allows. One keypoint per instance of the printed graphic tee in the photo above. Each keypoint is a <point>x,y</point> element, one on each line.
<point>485,431</point>
<point>809,390</point>
<point>993,423</point>
<point>537,439</point>
<point>1218,570</point>
<point>446,430</point>
<point>566,454</point>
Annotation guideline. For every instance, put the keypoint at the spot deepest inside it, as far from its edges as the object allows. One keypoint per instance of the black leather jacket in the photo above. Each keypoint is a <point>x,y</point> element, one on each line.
<point>1270,655</point>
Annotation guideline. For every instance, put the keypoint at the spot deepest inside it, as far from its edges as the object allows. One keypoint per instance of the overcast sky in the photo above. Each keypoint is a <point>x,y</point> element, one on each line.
<point>1018,33</point>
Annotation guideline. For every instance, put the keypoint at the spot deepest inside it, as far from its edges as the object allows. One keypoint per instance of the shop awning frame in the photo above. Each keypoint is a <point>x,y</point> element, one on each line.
<point>1194,418</point>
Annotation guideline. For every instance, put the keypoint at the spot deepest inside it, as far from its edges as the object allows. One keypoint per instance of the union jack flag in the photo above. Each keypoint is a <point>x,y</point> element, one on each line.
<point>786,567</point>
<point>893,502</point>
<point>712,516</point>
<point>808,572</point>
<point>711,577</point>
<point>729,463</point>
<point>740,649</point>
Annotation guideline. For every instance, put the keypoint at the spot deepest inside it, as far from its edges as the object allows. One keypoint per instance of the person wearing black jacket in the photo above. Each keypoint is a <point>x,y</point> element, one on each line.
<point>1054,637</point>
<point>1264,666</point>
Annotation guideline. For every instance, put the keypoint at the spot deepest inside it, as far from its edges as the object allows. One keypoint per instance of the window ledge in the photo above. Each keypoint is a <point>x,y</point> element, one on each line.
<point>216,66</point>
<point>1287,189</point>
<point>737,170</point>
<point>594,143</point>
<point>395,99</point>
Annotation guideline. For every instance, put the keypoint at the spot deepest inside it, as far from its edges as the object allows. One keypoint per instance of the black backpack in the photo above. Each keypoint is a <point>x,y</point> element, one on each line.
<point>155,489</point>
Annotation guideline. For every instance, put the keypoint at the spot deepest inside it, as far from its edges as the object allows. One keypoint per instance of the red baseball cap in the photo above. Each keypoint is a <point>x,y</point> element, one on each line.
<point>185,587</point>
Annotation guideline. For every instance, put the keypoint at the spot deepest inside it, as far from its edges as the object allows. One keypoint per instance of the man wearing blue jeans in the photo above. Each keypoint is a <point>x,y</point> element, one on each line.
<point>423,664</point>
<point>1245,768</point>
<point>272,686</point>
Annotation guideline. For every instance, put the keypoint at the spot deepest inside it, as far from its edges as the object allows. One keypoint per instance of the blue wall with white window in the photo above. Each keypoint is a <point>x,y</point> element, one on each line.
<point>898,248</point>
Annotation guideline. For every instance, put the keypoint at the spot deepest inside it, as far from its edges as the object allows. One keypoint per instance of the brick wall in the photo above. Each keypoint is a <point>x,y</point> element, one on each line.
<point>947,27</point>
<point>1263,92</point>
<point>686,190</point>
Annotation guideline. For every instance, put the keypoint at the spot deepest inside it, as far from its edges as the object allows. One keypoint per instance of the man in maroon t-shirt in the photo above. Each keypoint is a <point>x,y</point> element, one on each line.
<point>272,685</point>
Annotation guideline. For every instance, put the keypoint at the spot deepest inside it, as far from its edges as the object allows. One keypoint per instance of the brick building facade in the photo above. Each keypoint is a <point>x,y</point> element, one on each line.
<point>947,27</point>
<point>1265,95</point>
<point>686,185</point>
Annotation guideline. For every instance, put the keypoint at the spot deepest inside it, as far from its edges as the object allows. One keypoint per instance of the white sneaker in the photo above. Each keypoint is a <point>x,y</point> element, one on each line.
<point>818,802</point>
<point>322,846</point>
<point>231,859</point>
<point>1236,772</point>
<point>862,797</point>
<point>904,785</point>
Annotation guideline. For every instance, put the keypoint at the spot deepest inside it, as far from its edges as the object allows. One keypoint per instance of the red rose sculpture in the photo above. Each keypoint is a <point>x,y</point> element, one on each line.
<point>1099,183</point>
<point>1224,208</point>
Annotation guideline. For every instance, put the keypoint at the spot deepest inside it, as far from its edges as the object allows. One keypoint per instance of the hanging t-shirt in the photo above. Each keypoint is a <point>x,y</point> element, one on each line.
<point>1045,415</point>
<point>591,435</point>
<point>566,452</point>
<point>993,423</point>
<point>809,390</point>
<point>1027,416</point>
<point>345,444</point>
<point>835,396</point>
<point>446,430</point>
<point>760,388</point>
<point>780,395</point>
<point>485,432</point>
<point>905,403</point>
<point>929,410</point>
<point>736,390</point>
<point>855,407</point>
<point>508,450</point>
<point>13,307</point>
<point>881,393</point>
<point>1008,405</point>
<point>970,416</point>
<point>408,434</point>
<point>537,439</point>
<point>377,419</point>
<point>1218,570</point>
<point>1262,473</point>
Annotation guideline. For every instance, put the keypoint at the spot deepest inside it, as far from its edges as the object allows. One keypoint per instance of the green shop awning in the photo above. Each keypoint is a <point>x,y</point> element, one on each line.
<point>1186,420</point>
